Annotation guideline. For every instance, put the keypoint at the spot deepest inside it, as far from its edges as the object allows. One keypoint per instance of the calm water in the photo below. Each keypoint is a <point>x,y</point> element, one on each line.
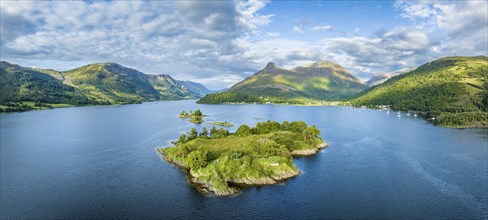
<point>98,162</point>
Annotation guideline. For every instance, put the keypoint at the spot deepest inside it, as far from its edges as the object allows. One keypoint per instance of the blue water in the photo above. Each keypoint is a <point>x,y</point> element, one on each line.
<point>100,162</point>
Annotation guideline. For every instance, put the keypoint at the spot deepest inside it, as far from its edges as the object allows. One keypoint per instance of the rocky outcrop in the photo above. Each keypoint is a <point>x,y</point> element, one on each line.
<point>308,152</point>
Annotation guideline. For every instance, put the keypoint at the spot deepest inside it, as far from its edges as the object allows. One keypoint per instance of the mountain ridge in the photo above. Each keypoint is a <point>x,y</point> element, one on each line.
<point>321,80</point>
<point>91,84</point>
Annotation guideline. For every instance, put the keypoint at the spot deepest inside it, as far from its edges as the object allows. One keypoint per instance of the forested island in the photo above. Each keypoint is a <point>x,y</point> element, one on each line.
<point>222,163</point>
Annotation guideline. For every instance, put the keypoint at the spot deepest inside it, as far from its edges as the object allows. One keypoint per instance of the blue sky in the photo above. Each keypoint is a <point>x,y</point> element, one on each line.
<point>219,43</point>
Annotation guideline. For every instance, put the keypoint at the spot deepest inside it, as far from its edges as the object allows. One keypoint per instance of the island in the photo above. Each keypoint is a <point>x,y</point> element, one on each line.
<point>195,117</point>
<point>223,163</point>
<point>220,123</point>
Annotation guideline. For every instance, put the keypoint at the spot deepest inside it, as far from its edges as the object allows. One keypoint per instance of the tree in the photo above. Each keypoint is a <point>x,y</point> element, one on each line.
<point>204,132</point>
<point>182,139</point>
<point>197,159</point>
<point>193,134</point>
<point>243,131</point>
<point>197,113</point>
<point>213,132</point>
<point>196,119</point>
<point>312,131</point>
<point>183,114</point>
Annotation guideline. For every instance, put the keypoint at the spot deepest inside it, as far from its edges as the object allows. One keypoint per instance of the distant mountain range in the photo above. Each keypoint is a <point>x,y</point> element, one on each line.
<point>381,78</point>
<point>24,88</point>
<point>317,81</point>
<point>451,90</point>
<point>196,88</point>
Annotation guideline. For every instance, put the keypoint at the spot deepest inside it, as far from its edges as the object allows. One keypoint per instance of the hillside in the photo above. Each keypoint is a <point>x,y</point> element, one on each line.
<point>25,89</point>
<point>170,89</point>
<point>318,81</point>
<point>454,90</point>
<point>196,88</point>
<point>112,83</point>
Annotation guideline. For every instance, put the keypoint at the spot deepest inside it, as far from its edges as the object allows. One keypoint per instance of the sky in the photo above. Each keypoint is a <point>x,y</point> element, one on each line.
<point>219,43</point>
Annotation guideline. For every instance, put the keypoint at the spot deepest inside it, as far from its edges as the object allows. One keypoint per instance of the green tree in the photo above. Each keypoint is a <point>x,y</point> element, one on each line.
<point>197,113</point>
<point>204,132</point>
<point>182,139</point>
<point>243,131</point>
<point>311,132</point>
<point>197,159</point>
<point>193,134</point>
<point>196,119</point>
<point>213,132</point>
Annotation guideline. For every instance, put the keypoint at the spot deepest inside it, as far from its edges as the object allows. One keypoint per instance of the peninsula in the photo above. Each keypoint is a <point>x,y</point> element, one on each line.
<point>222,163</point>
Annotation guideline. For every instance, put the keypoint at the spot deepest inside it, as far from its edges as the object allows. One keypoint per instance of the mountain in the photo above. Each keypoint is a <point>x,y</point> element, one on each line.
<point>381,78</point>
<point>317,81</point>
<point>111,82</point>
<point>24,88</point>
<point>194,87</point>
<point>454,90</point>
<point>171,89</point>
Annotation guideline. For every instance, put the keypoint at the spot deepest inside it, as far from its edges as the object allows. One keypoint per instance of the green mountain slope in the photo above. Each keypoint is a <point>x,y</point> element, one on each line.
<point>112,83</point>
<point>25,88</point>
<point>194,87</point>
<point>318,81</point>
<point>452,89</point>
<point>170,89</point>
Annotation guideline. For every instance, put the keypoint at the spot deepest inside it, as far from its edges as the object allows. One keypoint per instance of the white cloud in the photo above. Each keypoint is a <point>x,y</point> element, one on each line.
<point>273,34</point>
<point>415,9</point>
<point>298,29</point>
<point>322,28</point>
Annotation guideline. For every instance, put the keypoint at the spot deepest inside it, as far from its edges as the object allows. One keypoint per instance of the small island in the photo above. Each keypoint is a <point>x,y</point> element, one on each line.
<point>220,123</point>
<point>195,117</point>
<point>222,163</point>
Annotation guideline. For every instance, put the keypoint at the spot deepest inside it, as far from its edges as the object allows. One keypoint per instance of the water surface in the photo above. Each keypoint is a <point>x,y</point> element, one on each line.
<point>100,162</point>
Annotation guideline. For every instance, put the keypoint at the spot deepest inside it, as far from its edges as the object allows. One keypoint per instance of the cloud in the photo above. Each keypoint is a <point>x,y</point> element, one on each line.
<point>220,42</point>
<point>415,9</point>
<point>322,28</point>
<point>188,38</point>
<point>439,28</point>
<point>384,52</point>
<point>298,29</point>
